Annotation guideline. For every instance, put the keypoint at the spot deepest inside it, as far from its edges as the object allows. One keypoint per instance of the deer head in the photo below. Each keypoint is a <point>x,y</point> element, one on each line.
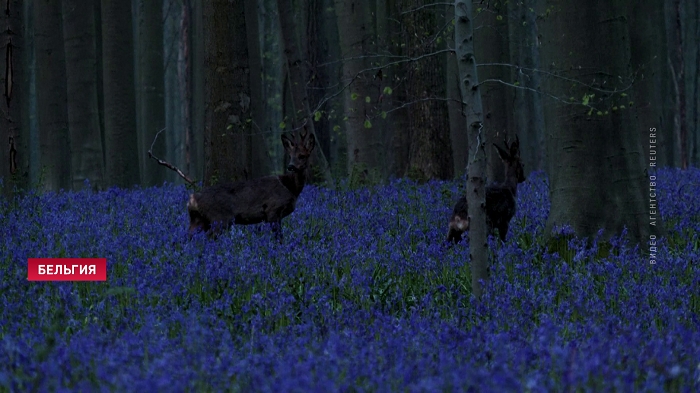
<point>515,172</point>
<point>299,150</point>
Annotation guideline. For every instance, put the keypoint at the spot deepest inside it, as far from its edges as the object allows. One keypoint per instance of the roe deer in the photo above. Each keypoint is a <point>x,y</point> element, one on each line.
<point>267,199</point>
<point>500,197</point>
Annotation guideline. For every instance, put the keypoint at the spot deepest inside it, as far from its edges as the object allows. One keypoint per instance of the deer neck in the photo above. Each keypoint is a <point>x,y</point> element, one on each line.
<point>511,183</point>
<point>294,181</point>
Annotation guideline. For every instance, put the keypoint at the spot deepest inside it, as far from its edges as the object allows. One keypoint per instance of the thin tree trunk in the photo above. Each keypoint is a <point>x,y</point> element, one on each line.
<point>81,70</point>
<point>14,136</point>
<point>466,61</point>
<point>260,163</point>
<point>121,139</point>
<point>528,112</point>
<point>51,102</point>
<point>458,132</point>
<point>151,90</point>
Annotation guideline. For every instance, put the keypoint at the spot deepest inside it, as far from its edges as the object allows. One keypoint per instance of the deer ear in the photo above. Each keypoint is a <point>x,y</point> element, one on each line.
<point>504,154</point>
<point>288,144</point>
<point>515,147</point>
<point>310,141</point>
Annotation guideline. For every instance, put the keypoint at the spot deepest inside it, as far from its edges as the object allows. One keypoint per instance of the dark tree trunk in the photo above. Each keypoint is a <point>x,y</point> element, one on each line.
<point>491,47</point>
<point>598,167</point>
<point>226,93</point>
<point>298,79</point>
<point>51,98</point>
<point>151,90</point>
<point>528,112</point>
<point>83,113</point>
<point>430,155</point>
<point>121,140</point>
<point>14,135</point>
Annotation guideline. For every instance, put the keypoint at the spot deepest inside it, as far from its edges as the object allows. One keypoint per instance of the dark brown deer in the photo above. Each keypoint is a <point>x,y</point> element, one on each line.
<point>267,199</point>
<point>500,197</point>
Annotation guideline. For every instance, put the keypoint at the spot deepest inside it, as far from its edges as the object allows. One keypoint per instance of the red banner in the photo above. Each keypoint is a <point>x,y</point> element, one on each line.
<point>67,269</point>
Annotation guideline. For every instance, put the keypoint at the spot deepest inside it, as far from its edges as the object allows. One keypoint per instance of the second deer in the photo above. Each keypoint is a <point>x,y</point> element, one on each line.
<point>267,199</point>
<point>500,197</point>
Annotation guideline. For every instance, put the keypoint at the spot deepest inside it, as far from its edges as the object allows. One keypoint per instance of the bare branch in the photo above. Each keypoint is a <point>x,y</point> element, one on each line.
<point>165,163</point>
<point>426,6</point>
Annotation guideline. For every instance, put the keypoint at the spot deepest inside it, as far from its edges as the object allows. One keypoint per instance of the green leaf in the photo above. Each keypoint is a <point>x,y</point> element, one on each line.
<point>383,115</point>
<point>624,94</point>
<point>282,125</point>
<point>622,107</point>
<point>353,96</point>
<point>499,17</point>
<point>336,128</point>
<point>345,118</point>
<point>599,113</point>
<point>367,99</point>
<point>230,126</point>
<point>317,116</point>
<point>387,90</point>
<point>368,124</point>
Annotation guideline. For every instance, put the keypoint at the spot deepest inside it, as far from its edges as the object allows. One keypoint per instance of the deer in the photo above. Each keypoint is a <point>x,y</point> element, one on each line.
<point>267,199</point>
<point>500,197</point>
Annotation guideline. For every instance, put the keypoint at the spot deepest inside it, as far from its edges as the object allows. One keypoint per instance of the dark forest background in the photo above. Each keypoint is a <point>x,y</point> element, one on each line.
<point>88,85</point>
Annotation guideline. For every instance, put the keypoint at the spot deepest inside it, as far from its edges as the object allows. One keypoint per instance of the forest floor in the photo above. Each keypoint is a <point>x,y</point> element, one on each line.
<point>362,295</point>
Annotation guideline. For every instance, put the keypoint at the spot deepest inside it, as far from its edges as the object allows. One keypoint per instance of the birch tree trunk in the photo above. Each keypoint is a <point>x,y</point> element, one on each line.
<point>469,83</point>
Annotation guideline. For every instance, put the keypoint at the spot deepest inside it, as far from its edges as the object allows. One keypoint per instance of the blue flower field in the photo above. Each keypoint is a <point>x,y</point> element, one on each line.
<point>363,295</point>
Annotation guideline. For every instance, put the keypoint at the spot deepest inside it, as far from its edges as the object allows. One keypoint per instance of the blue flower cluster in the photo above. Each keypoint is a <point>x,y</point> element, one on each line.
<point>363,295</point>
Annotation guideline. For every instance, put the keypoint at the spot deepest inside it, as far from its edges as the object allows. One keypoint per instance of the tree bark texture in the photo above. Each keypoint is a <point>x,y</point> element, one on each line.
<point>469,83</point>
<point>298,75</point>
<point>430,154</point>
<point>14,136</point>
<point>493,48</point>
<point>357,32</point>
<point>51,97</point>
<point>151,90</point>
<point>121,139</point>
<point>598,169</point>
<point>226,93</point>
<point>79,31</point>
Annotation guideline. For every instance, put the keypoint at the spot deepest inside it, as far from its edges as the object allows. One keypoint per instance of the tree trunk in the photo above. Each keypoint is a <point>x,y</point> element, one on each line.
<point>226,93</point>
<point>14,135</point>
<point>356,32</point>
<point>466,61</point>
<point>397,75</point>
<point>81,70</point>
<point>121,140</point>
<point>260,162</point>
<point>492,48</point>
<point>458,132</point>
<point>197,162</point>
<point>151,90</point>
<point>598,169</point>
<point>653,74</point>
<point>298,79</point>
<point>430,155</point>
<point>51,100</point>
<point>528,112</point>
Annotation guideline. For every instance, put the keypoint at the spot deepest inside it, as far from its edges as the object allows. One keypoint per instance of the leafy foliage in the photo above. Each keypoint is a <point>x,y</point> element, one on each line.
<point>362,295</point>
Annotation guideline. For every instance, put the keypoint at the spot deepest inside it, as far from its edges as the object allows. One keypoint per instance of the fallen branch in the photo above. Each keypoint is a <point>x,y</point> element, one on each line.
<point>167,164</point>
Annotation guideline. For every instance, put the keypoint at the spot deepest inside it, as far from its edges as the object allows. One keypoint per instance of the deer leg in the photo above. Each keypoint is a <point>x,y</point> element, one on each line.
<point>503,231</point>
